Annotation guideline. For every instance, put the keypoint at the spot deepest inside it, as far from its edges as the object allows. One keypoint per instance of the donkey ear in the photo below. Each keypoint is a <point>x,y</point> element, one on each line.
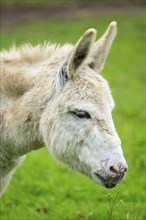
<point>102,47</point>
<point>81,50</point>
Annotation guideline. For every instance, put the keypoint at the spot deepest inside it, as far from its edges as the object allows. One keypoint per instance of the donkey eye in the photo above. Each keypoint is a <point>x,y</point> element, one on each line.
<point>81,114</point>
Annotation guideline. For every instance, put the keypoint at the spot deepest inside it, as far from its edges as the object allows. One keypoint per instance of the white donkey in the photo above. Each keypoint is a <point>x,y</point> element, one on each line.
<point>55,96</point>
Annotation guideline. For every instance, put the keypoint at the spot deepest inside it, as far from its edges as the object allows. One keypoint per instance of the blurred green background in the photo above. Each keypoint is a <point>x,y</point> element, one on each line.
<point>42,188</point>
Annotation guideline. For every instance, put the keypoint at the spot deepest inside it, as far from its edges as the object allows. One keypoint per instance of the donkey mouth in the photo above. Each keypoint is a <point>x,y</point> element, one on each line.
<point>109,185</point>
<point>105,182</point>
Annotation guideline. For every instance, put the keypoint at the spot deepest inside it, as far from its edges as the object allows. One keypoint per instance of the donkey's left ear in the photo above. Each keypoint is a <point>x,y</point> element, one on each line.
<point>81,51</point>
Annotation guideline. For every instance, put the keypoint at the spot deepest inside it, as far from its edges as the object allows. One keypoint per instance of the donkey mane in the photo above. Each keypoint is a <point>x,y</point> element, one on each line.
<point>19,66</point>
<point>28,53</point>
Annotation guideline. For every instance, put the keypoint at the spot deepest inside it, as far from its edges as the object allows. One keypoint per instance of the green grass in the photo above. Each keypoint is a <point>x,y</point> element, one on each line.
<point>44,189</point>
<point>36,2</point>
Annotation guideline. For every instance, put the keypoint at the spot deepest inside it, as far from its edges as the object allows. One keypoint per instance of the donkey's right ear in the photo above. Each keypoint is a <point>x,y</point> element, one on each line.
<point>81,51</point>
<point>102,47</point>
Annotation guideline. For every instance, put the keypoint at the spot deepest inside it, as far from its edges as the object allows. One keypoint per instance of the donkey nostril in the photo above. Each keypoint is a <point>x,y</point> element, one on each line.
<point>124,170</point>
<point>114,169</point>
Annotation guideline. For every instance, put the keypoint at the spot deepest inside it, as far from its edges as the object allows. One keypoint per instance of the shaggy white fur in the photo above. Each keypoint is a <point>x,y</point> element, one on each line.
<point>54,95</point>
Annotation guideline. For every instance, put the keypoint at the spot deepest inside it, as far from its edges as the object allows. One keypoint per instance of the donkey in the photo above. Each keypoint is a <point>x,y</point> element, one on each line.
<point>54,96</point>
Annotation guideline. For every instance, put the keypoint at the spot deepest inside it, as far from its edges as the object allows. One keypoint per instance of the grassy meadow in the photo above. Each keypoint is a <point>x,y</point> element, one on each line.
<point>42,188</point>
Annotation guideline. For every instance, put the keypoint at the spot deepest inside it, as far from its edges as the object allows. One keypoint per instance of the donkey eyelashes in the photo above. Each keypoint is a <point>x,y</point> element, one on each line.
<point>81,114</point>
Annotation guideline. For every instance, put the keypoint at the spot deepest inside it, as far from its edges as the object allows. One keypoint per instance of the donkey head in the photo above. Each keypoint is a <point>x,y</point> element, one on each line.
<point>79,130</point>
